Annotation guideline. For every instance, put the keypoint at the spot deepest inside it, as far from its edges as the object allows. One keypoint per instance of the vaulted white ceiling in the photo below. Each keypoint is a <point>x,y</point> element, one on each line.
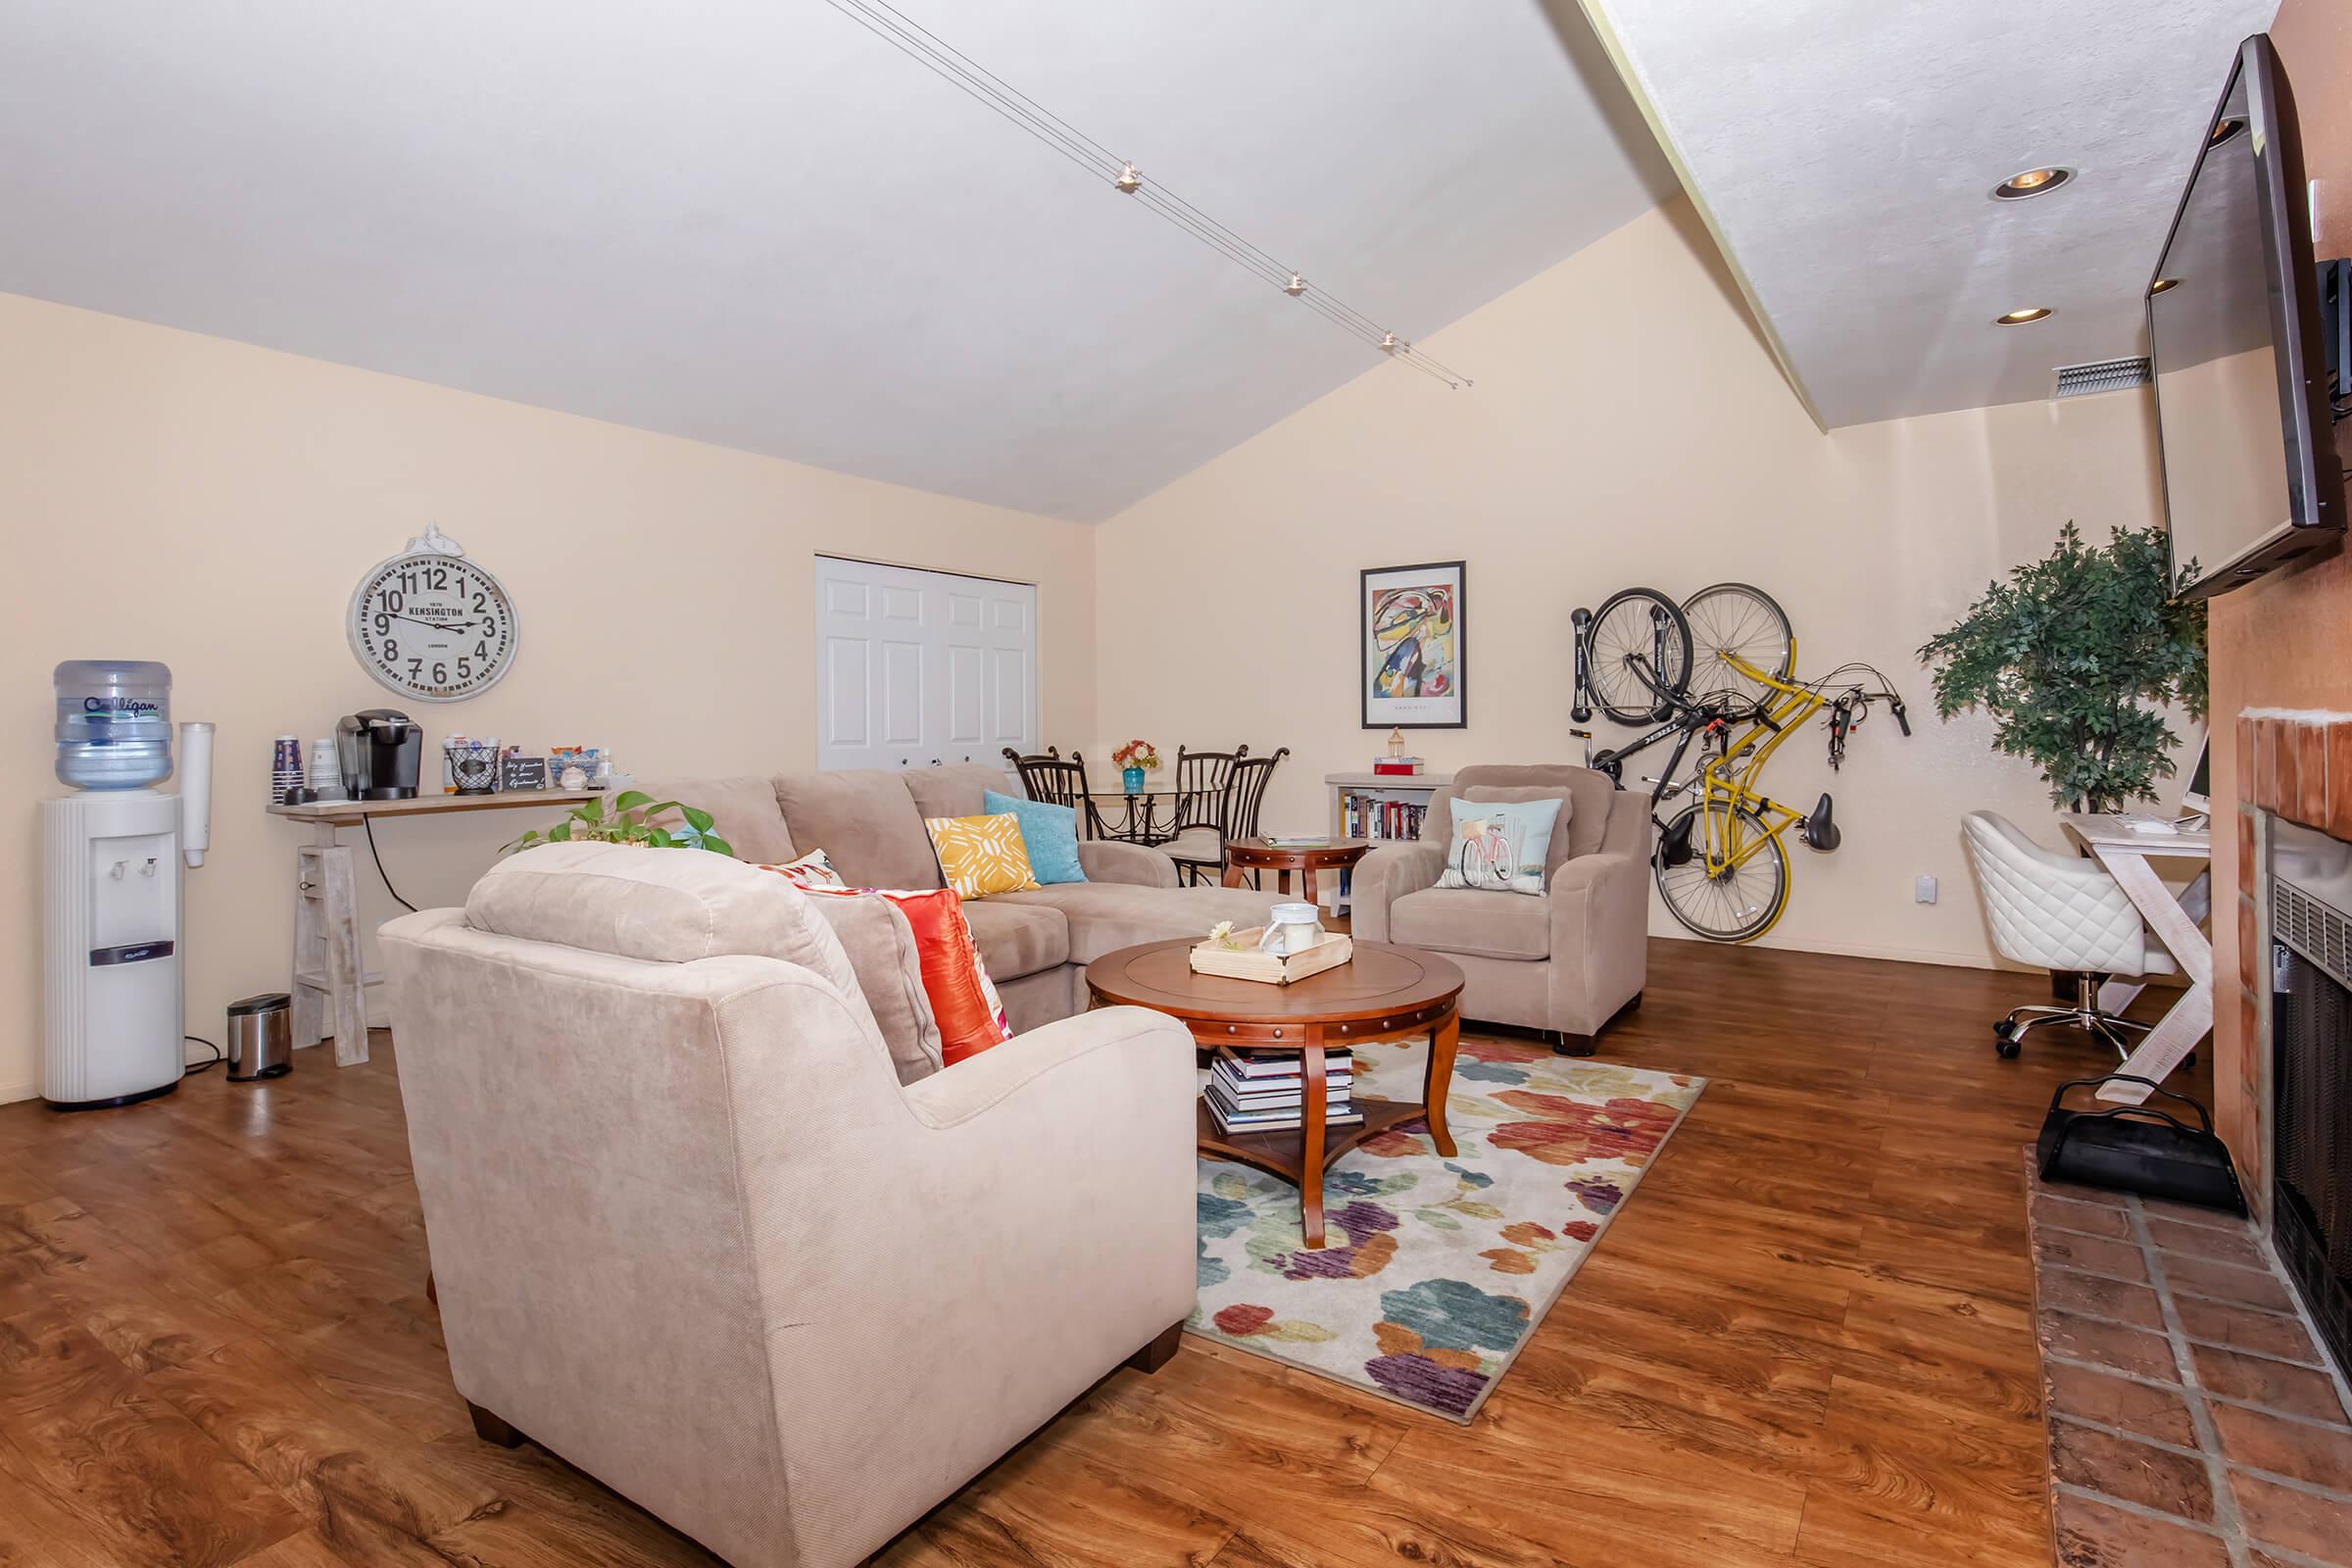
<point>754,223</point>
<point>1845,152</point>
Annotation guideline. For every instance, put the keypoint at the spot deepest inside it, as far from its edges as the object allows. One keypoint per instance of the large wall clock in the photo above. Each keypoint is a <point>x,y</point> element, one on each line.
<point>431,625</point>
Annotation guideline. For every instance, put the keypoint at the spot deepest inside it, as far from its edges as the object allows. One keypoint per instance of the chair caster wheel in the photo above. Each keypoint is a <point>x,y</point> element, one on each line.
<point>2005,1043</point>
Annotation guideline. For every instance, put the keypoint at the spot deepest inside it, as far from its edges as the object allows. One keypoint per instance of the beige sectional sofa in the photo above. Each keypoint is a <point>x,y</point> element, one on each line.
<point>870,822</point>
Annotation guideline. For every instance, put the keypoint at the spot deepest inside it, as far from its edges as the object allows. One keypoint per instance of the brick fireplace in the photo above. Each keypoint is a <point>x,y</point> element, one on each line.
<point>2281,662</point>
<point>2290,1058</point>
<point>2294,768</point>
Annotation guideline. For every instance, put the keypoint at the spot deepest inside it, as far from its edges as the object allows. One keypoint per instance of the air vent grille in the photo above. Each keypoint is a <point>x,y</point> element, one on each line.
<point>2312,928</point>
<point>2100,375</point>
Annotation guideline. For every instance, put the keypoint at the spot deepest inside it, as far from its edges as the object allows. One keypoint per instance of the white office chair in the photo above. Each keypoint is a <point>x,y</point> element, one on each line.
<point>2058,912</point>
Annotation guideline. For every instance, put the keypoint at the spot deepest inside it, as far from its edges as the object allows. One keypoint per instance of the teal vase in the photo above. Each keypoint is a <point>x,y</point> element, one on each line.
<point>1133,778</point>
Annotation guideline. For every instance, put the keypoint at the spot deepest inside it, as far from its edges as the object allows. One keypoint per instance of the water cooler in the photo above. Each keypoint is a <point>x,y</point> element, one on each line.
<point>113,853</point>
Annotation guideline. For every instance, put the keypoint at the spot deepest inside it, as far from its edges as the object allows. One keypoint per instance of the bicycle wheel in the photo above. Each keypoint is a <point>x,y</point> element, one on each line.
<point>1732,618</point>
<point>1735,903</point>
<point>1623,644</point>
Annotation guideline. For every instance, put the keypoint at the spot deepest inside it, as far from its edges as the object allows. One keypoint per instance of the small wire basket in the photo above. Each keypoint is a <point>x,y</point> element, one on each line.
<point>472,767</point>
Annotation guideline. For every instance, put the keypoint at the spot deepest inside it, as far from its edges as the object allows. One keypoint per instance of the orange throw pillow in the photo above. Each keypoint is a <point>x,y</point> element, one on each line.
<point>963,1000</point>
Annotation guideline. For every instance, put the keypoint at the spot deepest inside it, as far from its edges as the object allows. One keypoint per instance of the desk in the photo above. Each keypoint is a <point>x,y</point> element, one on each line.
<point>328,982</point>
<point>2176,922</point>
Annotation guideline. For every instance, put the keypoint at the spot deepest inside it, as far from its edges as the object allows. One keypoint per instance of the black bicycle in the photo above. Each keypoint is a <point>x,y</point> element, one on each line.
<point>1689,669</point>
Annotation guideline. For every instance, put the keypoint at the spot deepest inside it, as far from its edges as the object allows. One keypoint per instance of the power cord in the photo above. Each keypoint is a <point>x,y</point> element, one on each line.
<point>368,823</point>
<point>191,1071</point>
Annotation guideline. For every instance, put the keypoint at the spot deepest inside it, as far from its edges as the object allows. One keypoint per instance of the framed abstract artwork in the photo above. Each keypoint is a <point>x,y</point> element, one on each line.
<point>1411,664</point>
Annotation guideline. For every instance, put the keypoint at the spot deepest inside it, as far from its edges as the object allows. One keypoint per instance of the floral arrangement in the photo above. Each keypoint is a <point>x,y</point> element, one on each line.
<point>1137,754</point>
<point>1222,935</point>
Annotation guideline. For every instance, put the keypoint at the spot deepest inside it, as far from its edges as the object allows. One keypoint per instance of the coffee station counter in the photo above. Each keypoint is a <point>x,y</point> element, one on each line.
<point>329,980</point>
<point>348,813</point>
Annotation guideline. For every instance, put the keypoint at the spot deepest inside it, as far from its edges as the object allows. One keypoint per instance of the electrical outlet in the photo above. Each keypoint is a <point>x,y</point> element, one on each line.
<point>1924,890</point>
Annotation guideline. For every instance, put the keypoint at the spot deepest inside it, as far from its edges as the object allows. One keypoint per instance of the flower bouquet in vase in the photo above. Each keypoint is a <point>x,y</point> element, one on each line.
<point>1135,759</point>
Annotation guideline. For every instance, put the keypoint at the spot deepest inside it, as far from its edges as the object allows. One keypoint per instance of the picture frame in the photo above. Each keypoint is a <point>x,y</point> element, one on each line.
<point>1411,672</point>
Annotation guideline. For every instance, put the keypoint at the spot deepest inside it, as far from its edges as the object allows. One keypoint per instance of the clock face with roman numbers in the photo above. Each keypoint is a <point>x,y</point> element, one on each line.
<point>434,626</point>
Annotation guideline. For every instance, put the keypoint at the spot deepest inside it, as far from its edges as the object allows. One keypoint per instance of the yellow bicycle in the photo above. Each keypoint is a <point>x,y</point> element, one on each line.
<point>1722,862</point>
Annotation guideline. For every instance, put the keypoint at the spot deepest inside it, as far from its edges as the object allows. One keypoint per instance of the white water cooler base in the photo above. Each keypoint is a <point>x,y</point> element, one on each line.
<point>110,1004</point>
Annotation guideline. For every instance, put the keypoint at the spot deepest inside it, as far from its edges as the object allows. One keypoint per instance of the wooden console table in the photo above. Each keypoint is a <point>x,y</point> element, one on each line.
<point>328,990</point>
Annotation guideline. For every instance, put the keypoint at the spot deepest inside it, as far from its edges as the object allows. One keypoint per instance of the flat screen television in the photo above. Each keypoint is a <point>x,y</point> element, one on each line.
<point>2251,476</point>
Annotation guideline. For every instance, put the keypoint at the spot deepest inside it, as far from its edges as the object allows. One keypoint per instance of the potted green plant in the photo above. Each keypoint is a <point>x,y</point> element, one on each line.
<point>2075,656</point>
<point>630,822</point>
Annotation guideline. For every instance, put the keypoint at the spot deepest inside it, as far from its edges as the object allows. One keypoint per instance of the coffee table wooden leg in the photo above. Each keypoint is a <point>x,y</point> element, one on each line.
<point>1310,1146</point>
<point>1282,881</point>
<point>1233,876</point>
<point>1306,883</point>
<point>1438,1079</point>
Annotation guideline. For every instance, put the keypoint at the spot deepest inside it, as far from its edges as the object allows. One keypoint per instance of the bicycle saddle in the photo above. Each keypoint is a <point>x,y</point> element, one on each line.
<point>1674,844</point>
<point>1820,829</point>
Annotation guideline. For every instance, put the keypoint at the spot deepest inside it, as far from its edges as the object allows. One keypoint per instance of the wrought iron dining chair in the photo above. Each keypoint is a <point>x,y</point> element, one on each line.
<point>1056,782</point>
<point>1245,793</point>
<point>1197,824</point>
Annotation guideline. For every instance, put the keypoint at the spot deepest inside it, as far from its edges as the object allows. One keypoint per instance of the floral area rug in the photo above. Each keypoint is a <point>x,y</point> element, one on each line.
<point>1435,1271</point>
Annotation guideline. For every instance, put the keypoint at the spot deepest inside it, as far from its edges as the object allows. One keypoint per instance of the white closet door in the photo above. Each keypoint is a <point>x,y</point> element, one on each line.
<point>916,667</point>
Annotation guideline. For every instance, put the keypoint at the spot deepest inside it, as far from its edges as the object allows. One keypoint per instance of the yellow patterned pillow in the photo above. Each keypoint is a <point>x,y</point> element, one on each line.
<point>981,854</point>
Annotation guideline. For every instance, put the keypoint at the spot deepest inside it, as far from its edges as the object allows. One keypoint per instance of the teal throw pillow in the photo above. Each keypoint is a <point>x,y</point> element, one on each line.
<point>1498,846</point>
<point>1049,831</point>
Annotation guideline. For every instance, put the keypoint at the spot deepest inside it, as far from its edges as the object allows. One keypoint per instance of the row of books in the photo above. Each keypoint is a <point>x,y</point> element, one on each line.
<point>1368,816</point>
<point>1268,1093</point>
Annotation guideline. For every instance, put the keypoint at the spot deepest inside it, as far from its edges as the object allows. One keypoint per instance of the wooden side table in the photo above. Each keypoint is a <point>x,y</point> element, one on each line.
<point>1383,993</point>
<point>1257,854</point>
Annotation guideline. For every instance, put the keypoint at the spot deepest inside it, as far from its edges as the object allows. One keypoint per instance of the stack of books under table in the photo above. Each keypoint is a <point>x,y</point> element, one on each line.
<point>1267,1093</point>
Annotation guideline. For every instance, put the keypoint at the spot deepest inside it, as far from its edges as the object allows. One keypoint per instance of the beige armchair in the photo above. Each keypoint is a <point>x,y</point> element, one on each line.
<point>691,1233</point>
<point>1566,962</point>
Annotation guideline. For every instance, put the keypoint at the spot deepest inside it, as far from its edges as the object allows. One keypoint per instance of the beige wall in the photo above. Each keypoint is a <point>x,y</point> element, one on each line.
<point>1625,427</point>
<point>175,497</point>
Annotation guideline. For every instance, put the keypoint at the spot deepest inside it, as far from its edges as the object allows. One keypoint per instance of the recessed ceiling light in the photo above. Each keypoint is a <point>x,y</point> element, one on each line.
<point>2163,283</point>
<point>2031,312</point>
<point>2223,130</point>
<point>2031,183</point>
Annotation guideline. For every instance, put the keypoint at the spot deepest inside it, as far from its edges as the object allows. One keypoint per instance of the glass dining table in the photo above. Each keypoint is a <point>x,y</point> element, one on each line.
<point>1137,817</point>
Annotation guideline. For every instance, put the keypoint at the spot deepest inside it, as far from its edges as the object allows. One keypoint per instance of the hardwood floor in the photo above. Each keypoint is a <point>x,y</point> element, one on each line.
<point>1806,1341</point>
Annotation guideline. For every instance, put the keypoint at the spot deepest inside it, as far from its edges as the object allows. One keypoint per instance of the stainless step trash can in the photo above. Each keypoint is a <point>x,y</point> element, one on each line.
<point>261,1036</point>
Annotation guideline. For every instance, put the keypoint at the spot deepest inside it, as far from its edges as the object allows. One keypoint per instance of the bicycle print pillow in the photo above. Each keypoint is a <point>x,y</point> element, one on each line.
<point>1498,846</point>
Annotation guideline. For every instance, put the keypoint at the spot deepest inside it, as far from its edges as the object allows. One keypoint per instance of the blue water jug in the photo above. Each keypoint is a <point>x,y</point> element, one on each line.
<point>113,723</point>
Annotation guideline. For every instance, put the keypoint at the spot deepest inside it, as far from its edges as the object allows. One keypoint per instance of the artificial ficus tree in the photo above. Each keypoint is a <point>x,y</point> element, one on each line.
<point>2075,656</point>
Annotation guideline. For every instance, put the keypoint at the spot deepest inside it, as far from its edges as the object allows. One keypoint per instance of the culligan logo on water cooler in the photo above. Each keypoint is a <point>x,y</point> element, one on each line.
<point>111,936</point>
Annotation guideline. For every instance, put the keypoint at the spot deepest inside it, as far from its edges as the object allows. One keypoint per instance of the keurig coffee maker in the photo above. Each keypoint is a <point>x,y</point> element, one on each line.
<point>380,750</point>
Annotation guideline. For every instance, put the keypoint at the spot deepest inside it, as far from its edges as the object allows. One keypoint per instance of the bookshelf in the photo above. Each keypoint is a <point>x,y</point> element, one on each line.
<point>1366,794</point>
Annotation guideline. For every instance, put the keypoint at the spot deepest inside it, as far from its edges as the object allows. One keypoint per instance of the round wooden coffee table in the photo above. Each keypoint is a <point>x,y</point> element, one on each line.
<point>1257,854</point>
<point>1383,993</point>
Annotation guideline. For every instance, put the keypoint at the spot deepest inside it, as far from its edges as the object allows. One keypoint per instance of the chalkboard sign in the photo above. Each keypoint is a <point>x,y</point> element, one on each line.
<point>522,774</point>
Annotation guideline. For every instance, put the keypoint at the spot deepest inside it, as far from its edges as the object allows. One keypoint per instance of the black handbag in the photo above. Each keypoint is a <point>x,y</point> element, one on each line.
<point>2138,1148</point>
